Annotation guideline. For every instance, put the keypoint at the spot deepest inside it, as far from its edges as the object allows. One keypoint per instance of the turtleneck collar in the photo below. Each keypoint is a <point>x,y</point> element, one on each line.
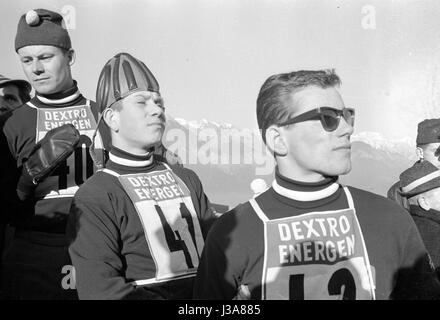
<point>61,97</point>
<point>304,191</point>
<point>124,158</point>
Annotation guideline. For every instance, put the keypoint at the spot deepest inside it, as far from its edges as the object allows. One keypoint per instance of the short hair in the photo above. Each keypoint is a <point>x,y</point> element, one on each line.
<point>276,92</point>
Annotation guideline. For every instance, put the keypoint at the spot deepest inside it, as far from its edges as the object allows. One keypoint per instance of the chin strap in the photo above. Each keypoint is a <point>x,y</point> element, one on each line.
<point>98,163</point>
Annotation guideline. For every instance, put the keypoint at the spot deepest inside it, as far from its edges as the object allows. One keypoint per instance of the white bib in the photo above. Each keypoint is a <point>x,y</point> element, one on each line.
<point>79,166</point>
<point>169,220</point>
<point>315,256</point>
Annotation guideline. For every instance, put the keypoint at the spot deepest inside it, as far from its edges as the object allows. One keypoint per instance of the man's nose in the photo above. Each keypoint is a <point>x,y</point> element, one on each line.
<point>158,111</point>
<point>345,128</point>
<point>37,67</point>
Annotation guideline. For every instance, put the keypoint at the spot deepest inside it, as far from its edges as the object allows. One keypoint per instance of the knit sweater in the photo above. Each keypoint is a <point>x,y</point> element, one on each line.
<point>313,247</point>
<point>137,230</point>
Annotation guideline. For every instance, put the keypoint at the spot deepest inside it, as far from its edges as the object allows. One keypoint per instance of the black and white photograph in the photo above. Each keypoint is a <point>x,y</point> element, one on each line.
<point>218,153</point>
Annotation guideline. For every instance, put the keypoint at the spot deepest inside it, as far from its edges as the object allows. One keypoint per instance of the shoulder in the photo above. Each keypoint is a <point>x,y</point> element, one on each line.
<point>99,185</point>
<point>362,196</point>
<point>239,222</point>
<point>20,117</point>
<point>186,174</point>
<point>377,206</point>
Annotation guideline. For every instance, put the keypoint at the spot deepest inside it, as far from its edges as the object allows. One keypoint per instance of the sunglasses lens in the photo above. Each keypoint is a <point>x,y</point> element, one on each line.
<point>330,120</point>
<point>348,115</point>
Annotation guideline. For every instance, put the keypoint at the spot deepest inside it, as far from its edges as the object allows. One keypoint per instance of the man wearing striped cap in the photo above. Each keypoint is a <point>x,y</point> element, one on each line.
<point>137,227</point>
<point>421,186</point>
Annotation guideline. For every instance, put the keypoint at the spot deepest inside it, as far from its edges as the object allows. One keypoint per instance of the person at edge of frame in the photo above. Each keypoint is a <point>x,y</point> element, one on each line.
<point>428,149</point>
<point>421,187</point>
<point>13,93</point>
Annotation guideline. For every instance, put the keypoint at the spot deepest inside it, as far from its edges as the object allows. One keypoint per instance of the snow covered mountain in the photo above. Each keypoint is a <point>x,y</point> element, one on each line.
<point>227,159</point>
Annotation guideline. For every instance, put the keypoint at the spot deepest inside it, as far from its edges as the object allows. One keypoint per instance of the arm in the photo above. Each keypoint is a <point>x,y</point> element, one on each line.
<point>416,278</point>
<point>215,278</point>
<point>9,175</point>
<point>205,211</point>
<point>94,248</point>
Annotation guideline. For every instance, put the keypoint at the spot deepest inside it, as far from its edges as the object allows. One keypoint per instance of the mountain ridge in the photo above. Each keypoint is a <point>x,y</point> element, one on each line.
<point>224,155</point>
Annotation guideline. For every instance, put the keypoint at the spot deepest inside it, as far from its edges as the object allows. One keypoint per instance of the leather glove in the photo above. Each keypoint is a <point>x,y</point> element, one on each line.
<point>47,155</point>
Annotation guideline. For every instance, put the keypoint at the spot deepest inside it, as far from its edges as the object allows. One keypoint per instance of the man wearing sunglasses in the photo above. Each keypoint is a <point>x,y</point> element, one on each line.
<point>309,237</point>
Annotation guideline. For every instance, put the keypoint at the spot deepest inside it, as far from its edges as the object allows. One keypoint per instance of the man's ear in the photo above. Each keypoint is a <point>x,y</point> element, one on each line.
<point>275,141</point>
<point>423,203</point>
<point>111,118</point>
<point>71,55</point>
<point>419,153</point>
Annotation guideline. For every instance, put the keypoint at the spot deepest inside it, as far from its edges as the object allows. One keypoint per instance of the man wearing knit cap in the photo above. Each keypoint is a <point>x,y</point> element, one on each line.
<point>420,184</point>
<point>37,264</point>
<point>137,227</point>
<point>428,148</point>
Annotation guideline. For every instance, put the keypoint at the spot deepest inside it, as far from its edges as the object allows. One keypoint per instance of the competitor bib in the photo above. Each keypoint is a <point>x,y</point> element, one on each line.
<point>317,256</point>
<point>172,230</point>
<point>79,166</point>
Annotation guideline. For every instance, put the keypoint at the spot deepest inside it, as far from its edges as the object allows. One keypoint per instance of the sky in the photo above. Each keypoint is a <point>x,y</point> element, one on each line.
<point>212,56</point>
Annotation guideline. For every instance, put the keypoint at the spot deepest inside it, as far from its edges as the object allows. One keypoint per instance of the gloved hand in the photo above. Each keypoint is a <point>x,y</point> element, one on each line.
<point>46,156</point>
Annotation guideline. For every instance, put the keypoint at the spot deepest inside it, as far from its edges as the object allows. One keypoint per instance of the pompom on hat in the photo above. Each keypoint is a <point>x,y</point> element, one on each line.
<point>421,177</point>
<point>428,131</point>
<point>42,27</point>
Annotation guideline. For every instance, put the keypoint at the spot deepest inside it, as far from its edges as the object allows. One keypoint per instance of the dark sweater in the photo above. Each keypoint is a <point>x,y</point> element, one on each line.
<point>428,223</point>
<point>47,208</point>
<point>234,250</point>
<point>112,242</point>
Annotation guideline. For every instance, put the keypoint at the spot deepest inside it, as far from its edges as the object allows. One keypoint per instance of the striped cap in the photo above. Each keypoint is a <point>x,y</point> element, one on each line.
<point>421,177</point>
<point>122,75</point>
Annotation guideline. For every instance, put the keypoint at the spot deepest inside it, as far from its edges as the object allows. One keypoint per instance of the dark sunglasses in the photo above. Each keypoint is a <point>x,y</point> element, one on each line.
<point>328,116</point>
